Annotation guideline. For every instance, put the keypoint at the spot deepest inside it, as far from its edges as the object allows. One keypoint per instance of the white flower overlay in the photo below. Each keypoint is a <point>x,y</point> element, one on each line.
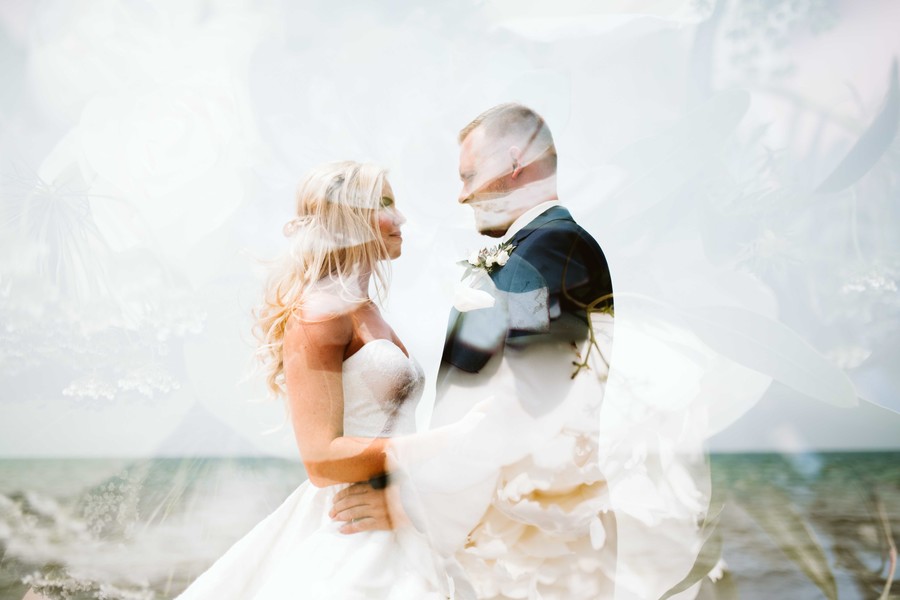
<point>718,570</point>
<point>466,298</point>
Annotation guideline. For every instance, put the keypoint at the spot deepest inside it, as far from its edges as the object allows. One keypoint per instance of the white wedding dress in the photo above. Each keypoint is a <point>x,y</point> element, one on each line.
<point>297,551</point>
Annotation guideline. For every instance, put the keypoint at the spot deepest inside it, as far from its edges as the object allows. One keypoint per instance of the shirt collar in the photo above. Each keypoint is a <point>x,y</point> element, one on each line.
<point>527,217</point>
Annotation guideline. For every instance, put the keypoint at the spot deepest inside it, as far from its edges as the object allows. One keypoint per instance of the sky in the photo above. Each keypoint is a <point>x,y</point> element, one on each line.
<point>738,166</point>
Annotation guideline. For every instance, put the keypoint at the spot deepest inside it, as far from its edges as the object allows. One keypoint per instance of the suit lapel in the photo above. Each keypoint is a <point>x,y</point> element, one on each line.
<point>554,213</point>
<point>467,358</point>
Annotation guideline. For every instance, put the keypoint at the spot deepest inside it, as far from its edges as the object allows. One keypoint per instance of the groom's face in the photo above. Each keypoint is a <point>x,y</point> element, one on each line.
<point>485,168</point>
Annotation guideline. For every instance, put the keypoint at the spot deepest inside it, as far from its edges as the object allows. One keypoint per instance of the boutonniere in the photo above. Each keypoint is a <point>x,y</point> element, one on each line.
<point>470,293</point>
<point>489,258</point>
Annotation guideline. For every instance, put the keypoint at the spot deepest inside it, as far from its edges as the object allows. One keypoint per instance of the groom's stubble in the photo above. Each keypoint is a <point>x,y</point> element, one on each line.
<point>495,211</point>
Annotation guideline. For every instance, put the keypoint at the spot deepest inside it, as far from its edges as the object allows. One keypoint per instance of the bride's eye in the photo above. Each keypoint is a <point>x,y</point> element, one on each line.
<point>387,201</point>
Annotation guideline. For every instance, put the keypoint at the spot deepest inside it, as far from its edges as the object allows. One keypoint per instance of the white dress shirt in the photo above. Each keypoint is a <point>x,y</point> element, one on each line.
<point>527,217</point>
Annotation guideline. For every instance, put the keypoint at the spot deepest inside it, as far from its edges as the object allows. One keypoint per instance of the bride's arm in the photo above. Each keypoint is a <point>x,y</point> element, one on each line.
<point>313,354</point>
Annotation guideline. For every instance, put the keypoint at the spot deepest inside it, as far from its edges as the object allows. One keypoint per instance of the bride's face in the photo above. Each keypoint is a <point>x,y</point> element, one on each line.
<point>389,221</point>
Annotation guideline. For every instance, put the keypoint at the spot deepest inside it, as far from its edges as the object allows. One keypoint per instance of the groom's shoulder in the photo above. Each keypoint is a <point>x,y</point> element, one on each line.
<point>557,218</point>
<point>557,227</point>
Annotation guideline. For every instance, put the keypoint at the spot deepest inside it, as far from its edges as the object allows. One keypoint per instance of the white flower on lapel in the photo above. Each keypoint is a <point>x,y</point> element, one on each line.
<point>490,258</point>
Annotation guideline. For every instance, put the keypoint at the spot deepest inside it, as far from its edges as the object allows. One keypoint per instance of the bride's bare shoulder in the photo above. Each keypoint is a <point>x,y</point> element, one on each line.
<point>305,328</point>
<point>323,319</point>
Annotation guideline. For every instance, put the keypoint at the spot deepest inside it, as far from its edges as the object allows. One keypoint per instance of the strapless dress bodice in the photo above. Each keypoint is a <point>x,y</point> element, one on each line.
<point>382,387</point>
<point>298,550</point>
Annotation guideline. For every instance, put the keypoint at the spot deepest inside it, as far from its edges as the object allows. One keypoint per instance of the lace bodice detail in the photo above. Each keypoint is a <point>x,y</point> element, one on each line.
<point>382,387</point>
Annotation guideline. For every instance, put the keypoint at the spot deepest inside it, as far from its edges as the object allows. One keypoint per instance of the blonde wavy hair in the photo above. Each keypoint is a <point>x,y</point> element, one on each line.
<point>335,242</point>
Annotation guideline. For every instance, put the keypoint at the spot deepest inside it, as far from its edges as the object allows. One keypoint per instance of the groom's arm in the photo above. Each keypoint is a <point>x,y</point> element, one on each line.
<point>568,263</point>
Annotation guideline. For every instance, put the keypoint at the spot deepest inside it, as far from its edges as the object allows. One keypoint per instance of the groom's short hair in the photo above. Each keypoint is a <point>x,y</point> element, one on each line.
<point>514,120</point>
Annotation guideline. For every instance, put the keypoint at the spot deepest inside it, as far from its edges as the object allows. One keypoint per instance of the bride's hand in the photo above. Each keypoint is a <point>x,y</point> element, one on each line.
<point>362,507</point>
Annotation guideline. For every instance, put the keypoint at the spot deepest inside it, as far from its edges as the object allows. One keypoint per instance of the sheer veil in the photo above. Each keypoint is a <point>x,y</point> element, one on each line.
<point>738,165</point>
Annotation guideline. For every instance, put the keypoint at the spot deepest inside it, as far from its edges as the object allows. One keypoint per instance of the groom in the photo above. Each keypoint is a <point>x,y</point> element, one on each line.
<point>515,332</point>
<point>555,271</point>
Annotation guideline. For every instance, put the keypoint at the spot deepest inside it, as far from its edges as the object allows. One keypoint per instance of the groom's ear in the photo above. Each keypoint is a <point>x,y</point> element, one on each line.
<point>516,155</point>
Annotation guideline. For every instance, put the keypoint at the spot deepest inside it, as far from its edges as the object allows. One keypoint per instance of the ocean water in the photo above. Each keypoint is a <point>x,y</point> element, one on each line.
<point>789,526</point>
<point>790,521</point>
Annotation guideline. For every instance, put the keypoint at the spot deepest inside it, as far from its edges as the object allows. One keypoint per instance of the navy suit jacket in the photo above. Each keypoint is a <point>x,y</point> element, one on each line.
<point>555,270</point>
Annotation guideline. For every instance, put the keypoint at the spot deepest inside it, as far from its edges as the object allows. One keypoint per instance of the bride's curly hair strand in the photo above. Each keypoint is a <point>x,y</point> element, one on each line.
<point>334,240</point>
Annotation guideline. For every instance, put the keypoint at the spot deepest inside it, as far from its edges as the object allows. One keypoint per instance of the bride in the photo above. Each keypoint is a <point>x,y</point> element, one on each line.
<point>350,385</point>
